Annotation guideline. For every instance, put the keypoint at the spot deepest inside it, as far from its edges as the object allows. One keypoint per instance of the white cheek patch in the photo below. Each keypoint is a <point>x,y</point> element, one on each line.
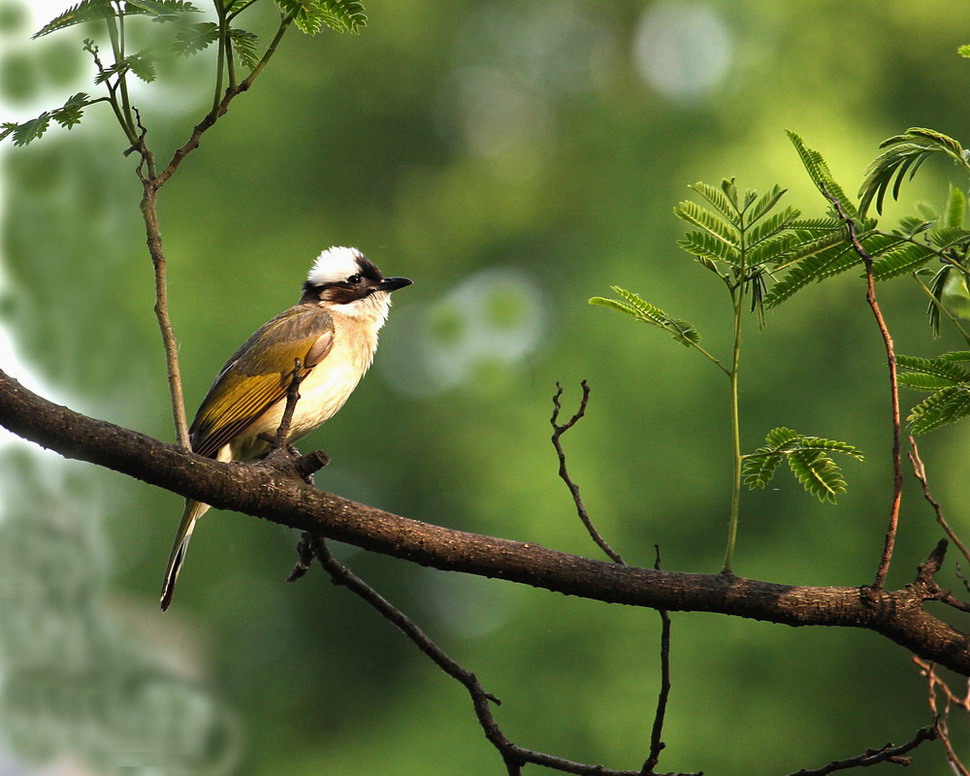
<point>333,265</point>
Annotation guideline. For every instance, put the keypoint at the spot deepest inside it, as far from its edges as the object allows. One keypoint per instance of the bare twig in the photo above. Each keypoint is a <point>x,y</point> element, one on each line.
<point>885,754</point>
<point>557,431</point>
<point>151,183</point>
<point>940,726</point>
<point>920,472</point>
<point>656,743</point>
<point>890,540</point>
<point>514,756</point>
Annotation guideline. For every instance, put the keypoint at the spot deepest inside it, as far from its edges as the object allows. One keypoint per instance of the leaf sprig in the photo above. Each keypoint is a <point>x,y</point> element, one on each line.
<point>807,457</point>
<point>948,383</point>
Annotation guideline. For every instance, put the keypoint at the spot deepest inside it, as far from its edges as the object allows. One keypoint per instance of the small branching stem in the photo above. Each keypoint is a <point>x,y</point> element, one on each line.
<point>920,472</point>
<point>890,540</point>
<point>557,431</point>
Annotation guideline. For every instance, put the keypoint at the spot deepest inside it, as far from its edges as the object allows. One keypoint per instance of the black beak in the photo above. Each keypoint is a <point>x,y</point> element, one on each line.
<point>392,284</point>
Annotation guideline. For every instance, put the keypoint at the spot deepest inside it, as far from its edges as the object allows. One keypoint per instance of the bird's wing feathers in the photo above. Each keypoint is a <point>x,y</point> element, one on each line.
<point>254,379</point>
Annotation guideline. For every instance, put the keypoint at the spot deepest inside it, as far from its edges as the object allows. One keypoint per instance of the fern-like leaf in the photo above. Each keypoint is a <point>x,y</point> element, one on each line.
<point>246,46</point>
<point>902,259</point>
<point>727,206</point>
<point>818,171</point>
<point>947,405</point>
<point>160,10</point>
<point>764,205</point>
<point>638,308</point>
<point>818,474</point>
<point>311,16</point>
<point>807,457</point>
<point>705,245</point>
<point>84,11</point>
<point>904,153</point>
<point>770,226</point>
<point>945,368</point>
<point>711,223</point>
<point>195,38</point>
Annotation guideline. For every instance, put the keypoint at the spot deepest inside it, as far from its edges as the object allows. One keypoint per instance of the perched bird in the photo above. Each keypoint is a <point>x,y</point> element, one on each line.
<point>332,330</point>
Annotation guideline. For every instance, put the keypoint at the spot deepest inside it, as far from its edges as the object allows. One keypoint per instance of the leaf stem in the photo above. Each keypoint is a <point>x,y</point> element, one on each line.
<point>736,299</point>
<point>942,308</point>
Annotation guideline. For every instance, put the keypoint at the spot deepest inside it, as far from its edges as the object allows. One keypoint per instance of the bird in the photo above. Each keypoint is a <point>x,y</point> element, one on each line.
<point>332,331</point>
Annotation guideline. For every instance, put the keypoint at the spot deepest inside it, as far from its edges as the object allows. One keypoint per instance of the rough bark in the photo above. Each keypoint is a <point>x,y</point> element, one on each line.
<point>274,494</point>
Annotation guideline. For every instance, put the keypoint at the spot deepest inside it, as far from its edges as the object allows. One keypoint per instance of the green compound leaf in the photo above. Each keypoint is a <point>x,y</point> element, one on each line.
<point>311,16</point>
<point>246,46</point>
<point>68,115</point>
<point>807,457</point>
<point>947,405</point>
<point>195,38</point>
<point>905,153</point>
<point>818,171</point>
<point>641,310</point>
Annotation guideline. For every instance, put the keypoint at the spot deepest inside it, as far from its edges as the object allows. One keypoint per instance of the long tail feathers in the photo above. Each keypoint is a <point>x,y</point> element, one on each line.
<point>193,511</point>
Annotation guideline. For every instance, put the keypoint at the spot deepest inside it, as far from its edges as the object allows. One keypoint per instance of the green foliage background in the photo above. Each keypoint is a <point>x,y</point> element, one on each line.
<point>512,160</point>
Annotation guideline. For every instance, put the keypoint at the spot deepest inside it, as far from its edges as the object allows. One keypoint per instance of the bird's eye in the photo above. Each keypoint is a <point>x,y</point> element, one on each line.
<point>354,280</point>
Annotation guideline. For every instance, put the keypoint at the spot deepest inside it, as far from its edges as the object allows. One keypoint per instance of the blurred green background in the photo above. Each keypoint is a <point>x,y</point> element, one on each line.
<point>514,158</point>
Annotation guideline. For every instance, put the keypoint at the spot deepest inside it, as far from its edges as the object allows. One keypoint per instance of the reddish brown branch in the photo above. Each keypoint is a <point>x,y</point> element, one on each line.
<point>265,492</point>
<point>890,540</point>
<point>557,431</point>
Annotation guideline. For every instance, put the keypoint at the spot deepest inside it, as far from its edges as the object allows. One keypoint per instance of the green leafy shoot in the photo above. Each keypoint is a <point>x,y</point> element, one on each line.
<point>94,10</point>
<point>195,38</point>
<point>818,171</point>
<point>68,115</point>
<point>311,16</point>
<point>641,310</point>
<point>807,457</point>
<point>948,383</point>
<point>904,154</point>
<point>246,46</point>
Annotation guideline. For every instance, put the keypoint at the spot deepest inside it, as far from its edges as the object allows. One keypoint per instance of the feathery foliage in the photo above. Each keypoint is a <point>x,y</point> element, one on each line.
<point>807,457</point>
<point>641,310</point>
<point>311,16</point>
<point>906,153</point>
<point>948,382</point>
<point>94,10</point>
<point>68,115</point>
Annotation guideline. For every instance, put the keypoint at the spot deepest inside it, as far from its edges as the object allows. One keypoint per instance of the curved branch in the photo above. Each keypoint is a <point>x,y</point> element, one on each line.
<point>283,498</point>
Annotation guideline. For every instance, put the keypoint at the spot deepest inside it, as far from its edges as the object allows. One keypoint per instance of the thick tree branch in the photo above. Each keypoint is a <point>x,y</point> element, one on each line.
<point>265,492</point>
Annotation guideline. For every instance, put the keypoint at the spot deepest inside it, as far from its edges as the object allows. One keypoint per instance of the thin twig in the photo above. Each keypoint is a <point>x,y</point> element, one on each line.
<point>656,743</point>
<point>890,541</point>
<point>513,755</point>
<point>920,472</point>
<point>887,753</point>
<point>940,726</point>
<point>557,431</point>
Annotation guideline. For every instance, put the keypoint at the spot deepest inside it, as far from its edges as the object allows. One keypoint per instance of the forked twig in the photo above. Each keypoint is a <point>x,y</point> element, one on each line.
<point>920,472</point>
<point>513,755</point>
<point>557,431</point>
<point>885,754</point>
<point>890,540</point>
<point>940,726</point>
